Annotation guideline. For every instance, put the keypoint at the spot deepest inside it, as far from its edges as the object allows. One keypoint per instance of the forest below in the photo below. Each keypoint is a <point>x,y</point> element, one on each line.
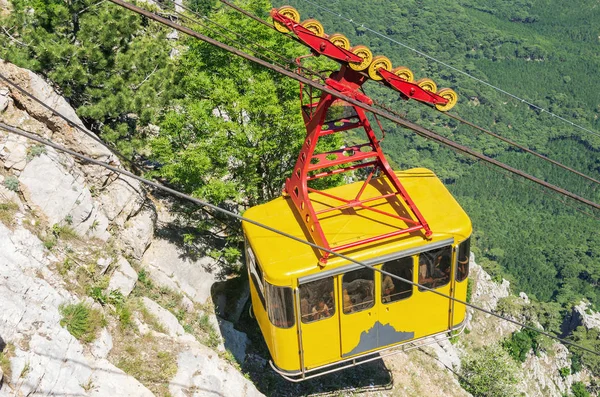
<point>230,130</point>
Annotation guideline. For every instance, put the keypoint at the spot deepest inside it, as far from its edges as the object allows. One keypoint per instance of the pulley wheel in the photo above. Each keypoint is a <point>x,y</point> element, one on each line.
<point>427,85</point>
<point>379,62</point>
<point>366,55</point>
<point>404,73</point>
<point>286,11</point>
<point>339,40</point>
<point>314,26</point>
<point>450,95</point>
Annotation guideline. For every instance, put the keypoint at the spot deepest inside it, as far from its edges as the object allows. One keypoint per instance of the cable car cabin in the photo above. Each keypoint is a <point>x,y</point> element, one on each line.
<point>314,317</point>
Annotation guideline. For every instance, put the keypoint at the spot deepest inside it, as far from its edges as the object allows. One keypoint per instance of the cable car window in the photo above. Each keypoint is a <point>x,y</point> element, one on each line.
<point>255,273</point>
<point>316,300</point>
<point>393,289</point>
<point>464,252</point>
<point>357,290</point>
<point>280,306</point>
<point>434,267</point>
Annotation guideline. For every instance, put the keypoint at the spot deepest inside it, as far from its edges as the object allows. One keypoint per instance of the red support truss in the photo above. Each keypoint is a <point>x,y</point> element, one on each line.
<point>311,165</point>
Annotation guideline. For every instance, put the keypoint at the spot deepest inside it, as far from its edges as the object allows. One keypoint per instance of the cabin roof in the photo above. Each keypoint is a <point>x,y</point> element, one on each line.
<point>283,259</point>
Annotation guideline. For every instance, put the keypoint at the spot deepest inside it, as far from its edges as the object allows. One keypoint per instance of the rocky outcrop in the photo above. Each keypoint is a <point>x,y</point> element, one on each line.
<point>112,224</point>
<point>581,315</point>
<point>47,358</point>
<point>202,373</point>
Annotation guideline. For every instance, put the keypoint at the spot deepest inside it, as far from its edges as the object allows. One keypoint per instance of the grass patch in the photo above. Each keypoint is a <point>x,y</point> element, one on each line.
<point>82,321</point>
<point>5,356</point>
<point>64,232</point>
<point>196,322</point>
<point>150,360</point>
<point>7,213</point>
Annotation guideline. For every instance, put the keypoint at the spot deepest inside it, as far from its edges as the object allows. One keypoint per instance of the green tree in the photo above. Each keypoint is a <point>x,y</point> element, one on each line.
<point>489,372</point>
<point>111,65</point>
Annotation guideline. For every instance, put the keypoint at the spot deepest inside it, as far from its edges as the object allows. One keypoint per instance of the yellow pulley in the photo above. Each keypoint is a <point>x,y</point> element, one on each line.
<point>366,55</point>
<point>379,62</point>
<point>451,96</point>
<point>289,12</point>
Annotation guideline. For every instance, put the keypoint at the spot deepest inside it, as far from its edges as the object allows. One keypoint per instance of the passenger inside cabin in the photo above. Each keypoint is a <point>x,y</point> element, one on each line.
<point>321,310</point>
<point>388,287</point>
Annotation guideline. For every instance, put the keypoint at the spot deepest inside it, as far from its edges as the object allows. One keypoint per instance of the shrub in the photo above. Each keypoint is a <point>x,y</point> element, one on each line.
<point>564,372</point>
<point>35,150</point>
<point>520,343</point>
<point>81,321</point>
<point>11,183</point>
<point>579,390</point>
<point>489,372</point>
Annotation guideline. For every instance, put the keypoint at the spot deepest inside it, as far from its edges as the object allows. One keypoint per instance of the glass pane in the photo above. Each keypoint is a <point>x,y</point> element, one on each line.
<point>255,273</point>
<point>393,289</point>
<point>316,300</point>
<point>280,306</point>
<point>464,252</point>
<point>357,290</point>
<point>434,267</point>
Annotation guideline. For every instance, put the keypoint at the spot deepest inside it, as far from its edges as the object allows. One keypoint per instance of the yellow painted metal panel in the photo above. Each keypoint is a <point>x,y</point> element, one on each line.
<point>283,261</point>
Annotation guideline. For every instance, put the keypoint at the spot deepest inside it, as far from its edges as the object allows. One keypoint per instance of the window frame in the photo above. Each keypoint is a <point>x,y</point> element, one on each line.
<point>355,305</point>
<point>256,274</point>
<point>450,251</point>
<point>411,268</point>
<point>301,292</point>
<point>462,244</point>
<point>291,307</point>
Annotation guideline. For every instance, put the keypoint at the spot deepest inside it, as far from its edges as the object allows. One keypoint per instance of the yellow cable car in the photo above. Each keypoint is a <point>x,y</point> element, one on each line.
<point>315,318</point>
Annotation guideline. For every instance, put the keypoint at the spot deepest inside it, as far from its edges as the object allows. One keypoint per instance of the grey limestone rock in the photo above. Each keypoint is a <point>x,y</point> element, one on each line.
<point>124,277</point>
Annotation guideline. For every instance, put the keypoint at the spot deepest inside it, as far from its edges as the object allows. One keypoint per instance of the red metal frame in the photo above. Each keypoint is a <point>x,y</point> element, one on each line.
<point>311,165</point>
<point>321,45</point>
<point>411,90</point>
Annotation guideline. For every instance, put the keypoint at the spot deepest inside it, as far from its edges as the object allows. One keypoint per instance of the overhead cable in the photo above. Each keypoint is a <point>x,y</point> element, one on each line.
<point>36,138</point>
<point>402,122</point>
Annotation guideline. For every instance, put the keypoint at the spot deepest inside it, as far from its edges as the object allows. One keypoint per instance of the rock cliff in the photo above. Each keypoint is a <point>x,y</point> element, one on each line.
<point>84,279</point>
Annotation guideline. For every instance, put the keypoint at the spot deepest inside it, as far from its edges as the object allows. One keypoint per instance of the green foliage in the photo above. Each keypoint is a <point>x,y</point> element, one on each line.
<point>579,390</point>
<point>589,339</point>
<point>520,343</point>
<point>11,183</point>
<point>35,150</point>
<point>469,290</point>
<point>82,321</point>
<point>7,212</point>
<point>564,372</point>
<point>575,363</point>
<point>110,65</point>
<point>489,372</point>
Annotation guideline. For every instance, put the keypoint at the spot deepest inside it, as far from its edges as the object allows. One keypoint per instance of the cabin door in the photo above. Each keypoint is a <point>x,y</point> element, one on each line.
<point>396,313</point>
<point>358,315</point>
<point>319,326</point>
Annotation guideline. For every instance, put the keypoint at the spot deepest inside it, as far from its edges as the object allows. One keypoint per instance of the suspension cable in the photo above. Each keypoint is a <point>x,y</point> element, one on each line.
<point>33,137</point>
<point>400,121</point>
<point>532,105</point>
<point>461,120</point>
<point>525,149</point>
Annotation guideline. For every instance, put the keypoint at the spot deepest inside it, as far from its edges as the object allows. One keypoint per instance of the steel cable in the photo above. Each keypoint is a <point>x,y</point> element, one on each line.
<point>402,122</point>
<point>33,137</point>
